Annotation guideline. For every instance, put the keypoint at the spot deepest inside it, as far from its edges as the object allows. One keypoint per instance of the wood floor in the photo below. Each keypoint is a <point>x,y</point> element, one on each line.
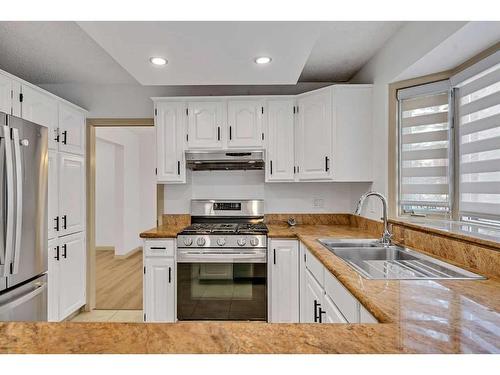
<point>121,316</point>
<point>118,281</point>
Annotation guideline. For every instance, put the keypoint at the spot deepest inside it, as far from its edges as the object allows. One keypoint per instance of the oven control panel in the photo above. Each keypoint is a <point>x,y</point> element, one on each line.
<point>225,241</point>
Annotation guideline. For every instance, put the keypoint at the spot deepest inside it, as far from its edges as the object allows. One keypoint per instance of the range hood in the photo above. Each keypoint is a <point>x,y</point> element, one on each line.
<point>224,160</point>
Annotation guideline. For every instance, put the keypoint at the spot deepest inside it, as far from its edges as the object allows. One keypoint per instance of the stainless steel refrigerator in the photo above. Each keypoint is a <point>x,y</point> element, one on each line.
<point>23,213</point>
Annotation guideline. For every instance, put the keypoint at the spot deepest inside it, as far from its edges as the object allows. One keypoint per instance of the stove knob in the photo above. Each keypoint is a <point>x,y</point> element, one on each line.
<point>200,241</point>
<point>188,241</point>
<point>221,241</point>
<point>254,241</point>
<point>242,242</point>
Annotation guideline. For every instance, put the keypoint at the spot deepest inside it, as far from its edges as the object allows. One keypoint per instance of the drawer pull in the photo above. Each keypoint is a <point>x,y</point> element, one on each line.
<point>158,248</point>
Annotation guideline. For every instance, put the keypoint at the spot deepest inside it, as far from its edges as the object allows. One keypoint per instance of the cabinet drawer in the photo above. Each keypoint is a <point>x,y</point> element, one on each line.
<point>347,304</point>
<point>315,266</point>
<point>159,248</point>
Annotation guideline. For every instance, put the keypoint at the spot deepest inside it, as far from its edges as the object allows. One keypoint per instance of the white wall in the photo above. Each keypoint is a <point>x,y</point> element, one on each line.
<point>105,193</point>
<point>413,41</point>
<point>278,197</point>
<point>134,188</point>
<point>135,100</point>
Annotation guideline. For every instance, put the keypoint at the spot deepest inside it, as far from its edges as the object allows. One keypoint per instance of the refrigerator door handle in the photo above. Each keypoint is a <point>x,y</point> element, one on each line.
<point>40,288</point>
<point>9,228</point>
<point>19,199</point>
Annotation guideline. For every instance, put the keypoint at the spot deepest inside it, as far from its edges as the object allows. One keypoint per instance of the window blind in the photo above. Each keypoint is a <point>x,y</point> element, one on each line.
<point>424,150</point>
<point>478,101</point>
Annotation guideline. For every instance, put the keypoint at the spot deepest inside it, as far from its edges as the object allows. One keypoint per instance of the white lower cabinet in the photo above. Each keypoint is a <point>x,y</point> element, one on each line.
<point>313,295</point>
<point>283,266</point>
<point>323,299</point>
<point>67,275</point>
<point>159,281</point>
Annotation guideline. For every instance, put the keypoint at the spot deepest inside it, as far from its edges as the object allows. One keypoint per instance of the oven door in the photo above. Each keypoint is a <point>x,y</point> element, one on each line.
<point>221,284</point>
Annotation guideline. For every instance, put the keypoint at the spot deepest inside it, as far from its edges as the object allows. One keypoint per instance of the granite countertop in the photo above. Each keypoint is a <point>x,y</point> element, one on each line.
<point>424,316</point>
<point>164,231</point>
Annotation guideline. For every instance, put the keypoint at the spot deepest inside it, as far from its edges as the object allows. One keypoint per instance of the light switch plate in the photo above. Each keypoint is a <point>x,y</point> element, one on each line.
<point>318,203</point>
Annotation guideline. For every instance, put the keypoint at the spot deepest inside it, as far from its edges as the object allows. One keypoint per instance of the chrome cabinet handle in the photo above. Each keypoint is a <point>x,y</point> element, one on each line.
<point>218,133</point>
<point>327,162</point>
<point>230,132</point>
<point>271,166</point>
<point>64,222</point>
<point>65,137</point>
<point>169,275</point>
<point>64,249</point>
<point>56,219</point>
<point>178,167</point>
<point>57,252</point>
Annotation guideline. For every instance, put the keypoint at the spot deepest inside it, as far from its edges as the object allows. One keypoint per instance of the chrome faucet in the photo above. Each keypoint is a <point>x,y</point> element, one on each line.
<point>386,236</point>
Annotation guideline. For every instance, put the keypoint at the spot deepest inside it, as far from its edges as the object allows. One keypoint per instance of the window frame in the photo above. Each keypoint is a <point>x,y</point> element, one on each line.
<point>394,142</point>
<point>451,149</point>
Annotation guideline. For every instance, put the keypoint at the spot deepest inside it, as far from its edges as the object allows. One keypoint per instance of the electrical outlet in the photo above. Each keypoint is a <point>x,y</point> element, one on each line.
<point>318,203</point>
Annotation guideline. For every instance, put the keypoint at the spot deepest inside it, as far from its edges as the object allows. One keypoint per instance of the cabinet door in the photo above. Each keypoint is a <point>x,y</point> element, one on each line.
<point>205,124</point>
<point>71,130</point>
<point>314,139</point>
<point>53,221</point>
<point>352,126</point>
<point>170,122</point>
<point>54,261</point>
<point>71,193</point>
<point>284,265</point>
<point>365,316</point>
<point>280,140</point>
<point>245,123</point>
<point>5,94</point>
<point>313,298</point>
<point>71,274</point>
<point>332,313</point>
<point>159,290</point>
<point>41,109</point>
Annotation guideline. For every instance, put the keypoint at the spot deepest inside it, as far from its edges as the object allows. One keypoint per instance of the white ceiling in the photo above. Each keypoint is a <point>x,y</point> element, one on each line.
<point>199,53</point>
<point>208,53</point>
<point>56,52</point>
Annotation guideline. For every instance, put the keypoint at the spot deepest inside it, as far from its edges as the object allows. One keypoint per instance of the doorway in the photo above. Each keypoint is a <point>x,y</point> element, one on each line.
<point>121,184</point>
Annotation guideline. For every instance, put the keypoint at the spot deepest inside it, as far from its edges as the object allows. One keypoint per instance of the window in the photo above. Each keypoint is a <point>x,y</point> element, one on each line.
<point>449,146</point>
<point>425,149</point>
<point>478,118</point>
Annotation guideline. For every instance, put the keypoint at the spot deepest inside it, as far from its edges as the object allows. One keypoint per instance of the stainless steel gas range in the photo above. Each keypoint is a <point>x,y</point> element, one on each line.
<point>222,262</point>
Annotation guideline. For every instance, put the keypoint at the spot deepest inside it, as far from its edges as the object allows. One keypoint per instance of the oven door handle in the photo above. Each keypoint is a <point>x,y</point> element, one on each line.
<point>207,256</point>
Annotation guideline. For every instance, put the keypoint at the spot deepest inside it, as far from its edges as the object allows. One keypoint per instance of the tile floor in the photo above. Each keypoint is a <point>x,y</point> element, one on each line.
<point>122,316</point>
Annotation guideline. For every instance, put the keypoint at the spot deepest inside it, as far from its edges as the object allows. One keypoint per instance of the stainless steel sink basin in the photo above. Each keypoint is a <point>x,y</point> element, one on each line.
<point>374,261</point>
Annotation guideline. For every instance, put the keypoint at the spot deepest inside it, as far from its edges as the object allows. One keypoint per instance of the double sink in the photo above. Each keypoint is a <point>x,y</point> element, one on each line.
<point>373,260</point>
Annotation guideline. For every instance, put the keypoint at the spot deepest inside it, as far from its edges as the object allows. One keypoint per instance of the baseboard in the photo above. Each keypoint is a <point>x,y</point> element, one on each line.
<point>131,252</point>
<point>104,248</point>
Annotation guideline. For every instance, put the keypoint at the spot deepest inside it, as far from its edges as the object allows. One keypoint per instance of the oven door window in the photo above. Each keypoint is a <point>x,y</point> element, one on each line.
<point>221,291</point>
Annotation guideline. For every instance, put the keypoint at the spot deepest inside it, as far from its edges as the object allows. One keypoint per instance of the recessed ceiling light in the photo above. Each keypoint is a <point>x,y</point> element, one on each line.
<point>158,60</point>
<point>263,60</point>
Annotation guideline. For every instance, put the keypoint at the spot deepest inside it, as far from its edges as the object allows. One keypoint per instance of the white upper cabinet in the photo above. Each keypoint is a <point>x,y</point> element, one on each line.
<point>280,140</point>
<point>205,124</point>
<point>245,123</point>
<point>71,130</point>
<point>9,96</point>
<point>170,123</point>
<point>5,94</point>
<point>314,135</point>
<point>352,126</point>
<point>284,281</point>
<point>41,109</point>
<point>71,193</point>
